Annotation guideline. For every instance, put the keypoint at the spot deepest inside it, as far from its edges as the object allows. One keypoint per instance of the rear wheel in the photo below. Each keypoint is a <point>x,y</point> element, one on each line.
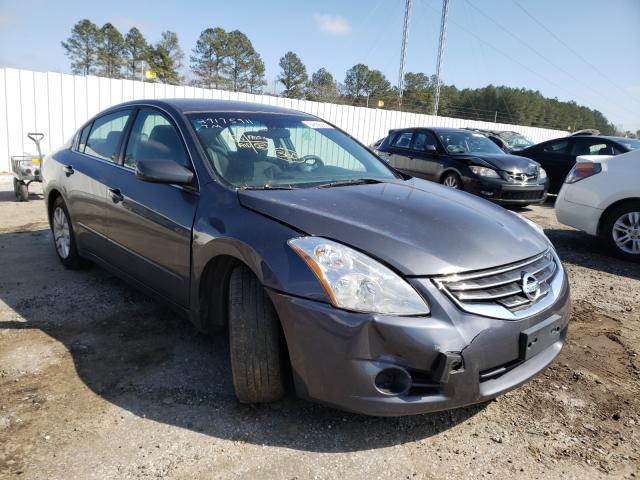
<point>63,237</point>
<point>255,340</point>
<point>621,230</point>
<point>21,190</point>
<point>452,180</point>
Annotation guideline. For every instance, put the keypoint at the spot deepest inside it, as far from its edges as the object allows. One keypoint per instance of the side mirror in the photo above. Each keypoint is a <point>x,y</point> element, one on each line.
<point>163,171</point>
<point>430,148</point>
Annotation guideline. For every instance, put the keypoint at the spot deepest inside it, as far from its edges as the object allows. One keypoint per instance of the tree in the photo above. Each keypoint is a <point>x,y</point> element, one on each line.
<point>111,52</point>
<point>209,59</point>
<point>376,86</point>
<point>165,58</point>
<point>293,75</point>
<point>355,80</point>
<point>255,78</point>
<point>322,87</point>
<point>361,82</point>
<point>82,47</point>
<point>241,57</point>
<point>417,95</point>
<point>137,50</point>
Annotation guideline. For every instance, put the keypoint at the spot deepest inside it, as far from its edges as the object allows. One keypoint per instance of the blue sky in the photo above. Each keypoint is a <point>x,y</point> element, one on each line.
<point>488,41</point>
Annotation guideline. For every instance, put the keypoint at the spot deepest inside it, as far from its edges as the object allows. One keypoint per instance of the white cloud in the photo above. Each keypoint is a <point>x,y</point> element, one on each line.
<point>333,24</point>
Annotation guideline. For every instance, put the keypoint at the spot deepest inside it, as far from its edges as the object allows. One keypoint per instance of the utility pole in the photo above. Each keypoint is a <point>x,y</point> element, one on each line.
<point>403,51</point>
<point>443,32</point>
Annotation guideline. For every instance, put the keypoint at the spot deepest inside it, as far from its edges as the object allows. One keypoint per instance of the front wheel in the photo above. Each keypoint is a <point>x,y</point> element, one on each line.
<point>63,237</point>
<point>452,180</point>
<point>622,230</point>
<point>255,340</point>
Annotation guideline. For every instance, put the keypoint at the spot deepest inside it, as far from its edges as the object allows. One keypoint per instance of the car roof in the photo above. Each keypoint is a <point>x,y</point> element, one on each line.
<point>186,105</point>
<point>435,129</point>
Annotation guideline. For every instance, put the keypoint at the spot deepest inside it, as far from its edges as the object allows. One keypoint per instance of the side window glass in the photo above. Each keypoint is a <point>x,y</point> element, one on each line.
<point>403,140</point>
<point>586,146</point>
<point>153,137</point>
<point>82,141</point>
<point>556,147</point>
<point>105,135</point>
<point>423,140</point>
<point>600,149</point>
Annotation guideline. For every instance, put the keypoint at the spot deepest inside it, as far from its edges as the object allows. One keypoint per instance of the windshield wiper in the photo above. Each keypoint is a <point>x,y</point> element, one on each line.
<point>268,187</point>
<point>352,181</point>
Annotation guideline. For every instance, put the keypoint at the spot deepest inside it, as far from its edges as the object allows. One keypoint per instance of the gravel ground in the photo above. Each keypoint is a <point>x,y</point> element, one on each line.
<point>97,381</point>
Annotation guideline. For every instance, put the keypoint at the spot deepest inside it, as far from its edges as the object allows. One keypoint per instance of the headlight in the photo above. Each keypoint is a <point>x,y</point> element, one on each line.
<point>484,171</point>
<point>542,174</point>
<point>354,281</point>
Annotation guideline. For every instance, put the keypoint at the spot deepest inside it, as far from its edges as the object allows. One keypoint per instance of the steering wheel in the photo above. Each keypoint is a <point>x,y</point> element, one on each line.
<point>310,163</point>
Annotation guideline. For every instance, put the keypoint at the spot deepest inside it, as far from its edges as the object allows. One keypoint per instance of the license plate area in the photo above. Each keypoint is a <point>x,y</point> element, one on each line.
<point>535,339</point>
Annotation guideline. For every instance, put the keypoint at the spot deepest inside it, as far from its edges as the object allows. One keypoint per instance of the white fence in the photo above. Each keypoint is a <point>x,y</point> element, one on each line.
<point>57,104</point>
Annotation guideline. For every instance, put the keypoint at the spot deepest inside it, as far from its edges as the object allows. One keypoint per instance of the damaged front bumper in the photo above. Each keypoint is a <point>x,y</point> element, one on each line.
<point>388,365</point>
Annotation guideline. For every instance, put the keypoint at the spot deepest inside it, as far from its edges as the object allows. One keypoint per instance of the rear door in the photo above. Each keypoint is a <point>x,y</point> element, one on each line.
<point>399,151</point>
<point>152,222</point>
<point>555,157</point>
<point>428,158</point>
<point>89,169</point>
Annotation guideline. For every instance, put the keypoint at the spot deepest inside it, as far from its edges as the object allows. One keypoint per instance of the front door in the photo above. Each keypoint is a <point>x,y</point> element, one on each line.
<point>151,223</point>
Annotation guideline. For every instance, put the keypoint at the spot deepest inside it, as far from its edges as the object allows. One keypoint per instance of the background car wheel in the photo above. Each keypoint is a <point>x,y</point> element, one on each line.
<point>21,190</point>
<point>452,180</point>
<point>622,230</point>
<point>63,236</point>
<point>255,340</point>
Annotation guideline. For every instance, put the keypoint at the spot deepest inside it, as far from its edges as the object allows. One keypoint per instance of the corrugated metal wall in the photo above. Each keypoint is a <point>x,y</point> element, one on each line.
<point>56,104</point>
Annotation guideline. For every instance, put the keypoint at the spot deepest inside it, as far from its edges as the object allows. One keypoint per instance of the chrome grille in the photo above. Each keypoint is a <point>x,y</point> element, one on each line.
<point>501,286</point>
<point>522,177</point>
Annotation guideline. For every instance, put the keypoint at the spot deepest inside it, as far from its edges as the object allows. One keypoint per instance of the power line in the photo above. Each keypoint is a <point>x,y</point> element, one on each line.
<point>553,64</point>
<point>509,57</point>
<point>576,53</point>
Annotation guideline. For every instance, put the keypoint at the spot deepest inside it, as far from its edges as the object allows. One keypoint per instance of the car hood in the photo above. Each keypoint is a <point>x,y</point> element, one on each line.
<point>506,162</point>
<point>418,227</point>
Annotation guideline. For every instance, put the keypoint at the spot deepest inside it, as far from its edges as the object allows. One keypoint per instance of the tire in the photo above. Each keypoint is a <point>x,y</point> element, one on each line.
<point>623,220</point>
<point>255,340</point>
<point>452,180</point>
<point>22,192</point>
<point>69,256</point>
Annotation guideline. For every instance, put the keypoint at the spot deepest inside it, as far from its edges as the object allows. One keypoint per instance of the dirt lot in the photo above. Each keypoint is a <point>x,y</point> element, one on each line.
<point>97,381</point>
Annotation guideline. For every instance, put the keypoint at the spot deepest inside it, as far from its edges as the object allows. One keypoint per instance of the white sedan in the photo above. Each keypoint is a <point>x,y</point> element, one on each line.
<point>601,196</point>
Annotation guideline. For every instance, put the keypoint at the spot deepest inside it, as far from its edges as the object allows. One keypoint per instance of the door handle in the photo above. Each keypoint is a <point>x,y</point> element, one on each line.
<point>116,195</point>
<point>68,170</point>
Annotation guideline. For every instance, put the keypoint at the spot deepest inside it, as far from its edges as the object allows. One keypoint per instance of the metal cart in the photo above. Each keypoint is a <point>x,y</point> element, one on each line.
<point>27,169</point>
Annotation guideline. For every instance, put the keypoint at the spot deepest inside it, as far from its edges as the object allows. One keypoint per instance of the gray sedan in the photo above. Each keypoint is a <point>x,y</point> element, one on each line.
<point>371,290</point>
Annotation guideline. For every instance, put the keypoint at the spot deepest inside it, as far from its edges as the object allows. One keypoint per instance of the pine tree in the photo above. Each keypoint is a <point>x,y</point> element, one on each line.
<point>165,58</point>
<point>82,47</point>
<point>111,52</point>
<point>209,59</point>
<point>322,87</point>
<point>255,77</point>
<point>241,55</point>
<point>293,76</point>
<point>137,50</point>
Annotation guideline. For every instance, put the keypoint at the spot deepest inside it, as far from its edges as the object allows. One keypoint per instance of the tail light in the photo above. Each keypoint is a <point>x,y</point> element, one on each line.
<point>582,170</point>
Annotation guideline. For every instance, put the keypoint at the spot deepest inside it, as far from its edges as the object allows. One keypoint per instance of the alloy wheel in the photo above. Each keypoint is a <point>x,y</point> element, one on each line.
<point>451,181</point>
<point>626,233</point>
<point>61,234</point>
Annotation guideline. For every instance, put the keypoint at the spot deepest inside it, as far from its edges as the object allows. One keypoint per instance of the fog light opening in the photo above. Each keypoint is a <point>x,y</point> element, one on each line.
<point>487,193</point>
<point>393,381</point>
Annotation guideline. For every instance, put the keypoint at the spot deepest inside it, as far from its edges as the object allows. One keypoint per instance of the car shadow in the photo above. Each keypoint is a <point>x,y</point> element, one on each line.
<point>578,248</point>
<point>138,355</point>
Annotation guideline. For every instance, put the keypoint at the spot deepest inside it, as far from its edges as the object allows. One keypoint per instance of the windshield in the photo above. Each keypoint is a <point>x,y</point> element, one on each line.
<point>518,142</point>
<point>630,143</point>
<point>263,150</point>
<point>467,142</point>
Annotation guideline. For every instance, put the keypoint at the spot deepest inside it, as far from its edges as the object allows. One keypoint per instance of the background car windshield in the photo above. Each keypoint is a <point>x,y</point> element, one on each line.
<point>270,150</point>
<point>467,142</point>
<point>518,142</point>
